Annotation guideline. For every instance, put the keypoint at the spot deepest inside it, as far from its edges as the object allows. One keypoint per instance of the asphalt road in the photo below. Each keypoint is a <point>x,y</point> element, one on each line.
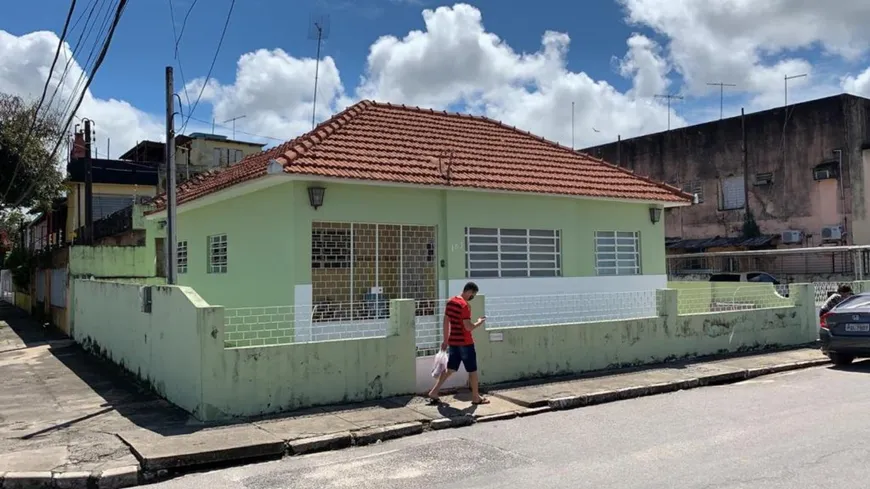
<point>809,428</point>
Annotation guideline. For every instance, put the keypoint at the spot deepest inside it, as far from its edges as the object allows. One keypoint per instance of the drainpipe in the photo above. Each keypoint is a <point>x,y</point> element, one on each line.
<point>445,245</point>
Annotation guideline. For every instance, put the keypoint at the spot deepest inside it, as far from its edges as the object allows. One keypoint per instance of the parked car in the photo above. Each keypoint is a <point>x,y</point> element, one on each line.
<point>844,331</point>
<point>752,277</point>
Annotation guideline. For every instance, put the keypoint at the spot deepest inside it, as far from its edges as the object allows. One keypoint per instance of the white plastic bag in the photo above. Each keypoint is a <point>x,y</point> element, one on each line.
<point>440,364</point>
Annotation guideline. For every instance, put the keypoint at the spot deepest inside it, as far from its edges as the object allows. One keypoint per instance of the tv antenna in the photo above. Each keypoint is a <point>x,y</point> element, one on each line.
<point>318,29</point>
<point>669,96</point>
<point>721,95</point>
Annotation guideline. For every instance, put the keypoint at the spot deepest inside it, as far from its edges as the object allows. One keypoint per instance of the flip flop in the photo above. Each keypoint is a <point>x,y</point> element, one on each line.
<point>433,401</point>
<point>483,400</point>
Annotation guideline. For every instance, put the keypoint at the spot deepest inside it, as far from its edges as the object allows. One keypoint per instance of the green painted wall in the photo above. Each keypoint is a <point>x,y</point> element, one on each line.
<point>112,261</point>
<point>162,347</point>
<point>541,351</point>
<point>269,232</point>
<point>259,229</point>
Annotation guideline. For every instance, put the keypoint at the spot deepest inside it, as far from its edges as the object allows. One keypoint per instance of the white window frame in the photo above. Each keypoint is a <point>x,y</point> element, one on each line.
<point>512,253</point>
<point>617,253</point>
<point>181,251</point>
<point>218,248</point>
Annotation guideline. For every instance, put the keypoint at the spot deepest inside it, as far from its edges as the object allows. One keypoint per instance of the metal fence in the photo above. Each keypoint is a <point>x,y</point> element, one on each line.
<point>819,264</point>
<point>504,312</point>
<point>702,300</point>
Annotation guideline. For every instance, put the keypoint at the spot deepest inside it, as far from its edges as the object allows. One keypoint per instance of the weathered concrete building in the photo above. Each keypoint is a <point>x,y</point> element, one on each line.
<point>803,177</point>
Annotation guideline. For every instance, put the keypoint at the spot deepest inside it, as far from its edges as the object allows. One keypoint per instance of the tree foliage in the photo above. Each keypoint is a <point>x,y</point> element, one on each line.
<point>37,176</point>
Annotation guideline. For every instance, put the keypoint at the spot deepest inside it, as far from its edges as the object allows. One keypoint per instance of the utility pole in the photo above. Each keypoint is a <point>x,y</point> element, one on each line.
<point>669,96</point>
<point>721,95</point>
<point>787,78</point>
<point>172,243</point>
<point>89,187</point>
<point>745,160</point>
<point>233,120</point>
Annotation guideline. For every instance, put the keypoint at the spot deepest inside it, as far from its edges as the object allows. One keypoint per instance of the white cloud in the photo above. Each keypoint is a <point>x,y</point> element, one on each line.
<point>275,93</point>
<point>754,44</point>
<point>858,85</point>
<point>24,64</point>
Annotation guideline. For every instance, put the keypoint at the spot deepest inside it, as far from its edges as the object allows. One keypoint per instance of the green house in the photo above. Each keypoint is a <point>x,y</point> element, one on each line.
<point>384,201</point>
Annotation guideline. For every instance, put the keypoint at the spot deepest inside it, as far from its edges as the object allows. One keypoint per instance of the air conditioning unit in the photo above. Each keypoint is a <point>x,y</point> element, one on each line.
<point>823,174</point>
<point>763,179</point>
<point>792,237</point>
<point>832,233</point>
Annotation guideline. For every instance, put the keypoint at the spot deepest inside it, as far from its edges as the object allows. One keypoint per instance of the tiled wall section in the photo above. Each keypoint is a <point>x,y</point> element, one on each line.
<point>258,326</point>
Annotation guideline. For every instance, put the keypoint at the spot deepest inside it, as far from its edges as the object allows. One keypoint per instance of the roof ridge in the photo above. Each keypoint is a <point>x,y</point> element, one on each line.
<point>555,144</point>
<point>304,143</point>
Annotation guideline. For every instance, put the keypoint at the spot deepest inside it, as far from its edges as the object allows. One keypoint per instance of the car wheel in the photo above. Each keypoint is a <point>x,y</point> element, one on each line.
<point>840,359</point>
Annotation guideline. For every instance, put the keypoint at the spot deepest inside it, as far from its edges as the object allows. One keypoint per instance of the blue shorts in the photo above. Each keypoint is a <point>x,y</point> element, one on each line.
<point>466,355</point>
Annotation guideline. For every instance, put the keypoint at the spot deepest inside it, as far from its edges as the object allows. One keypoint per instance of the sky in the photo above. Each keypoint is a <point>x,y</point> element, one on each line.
<point>580,73</point>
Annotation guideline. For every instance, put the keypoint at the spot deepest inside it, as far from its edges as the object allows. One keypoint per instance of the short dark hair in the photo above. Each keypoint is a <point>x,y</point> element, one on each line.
<point>470,287</point>
<point>844,289</point>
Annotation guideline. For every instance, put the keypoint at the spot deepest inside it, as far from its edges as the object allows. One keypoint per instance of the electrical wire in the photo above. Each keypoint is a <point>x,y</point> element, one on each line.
<point>238,130</point>
<point>26,139</point>
<point>119,12</point>
<point>211,68</point>
<point>177,38</point>
<point>75,50</point>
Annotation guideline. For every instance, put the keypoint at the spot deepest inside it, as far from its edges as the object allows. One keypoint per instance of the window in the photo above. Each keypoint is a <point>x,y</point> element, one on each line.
<point>695,187</point>
<point>496,252</point>
<point>107,204</point>
<point>733,194</point>
<point>182,256</point>
<point>617,253</point>
<point>227,156</point>
<point>217,253</point>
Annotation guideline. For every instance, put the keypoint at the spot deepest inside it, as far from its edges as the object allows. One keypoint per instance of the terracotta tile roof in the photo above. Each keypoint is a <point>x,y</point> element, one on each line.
<point>391,143</point>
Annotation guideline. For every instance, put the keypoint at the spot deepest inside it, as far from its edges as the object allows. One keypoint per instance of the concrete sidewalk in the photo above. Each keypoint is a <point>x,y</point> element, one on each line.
<point>69,420</point>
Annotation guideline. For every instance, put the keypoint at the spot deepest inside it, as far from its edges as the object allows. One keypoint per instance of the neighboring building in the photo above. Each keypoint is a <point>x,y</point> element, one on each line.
<point>804,179</point>
<point>385,201</point>
<point>117,184</point>
<point>195,154</point>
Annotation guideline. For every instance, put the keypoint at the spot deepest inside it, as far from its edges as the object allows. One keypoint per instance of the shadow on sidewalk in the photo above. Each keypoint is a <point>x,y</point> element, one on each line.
<point>74,388</point>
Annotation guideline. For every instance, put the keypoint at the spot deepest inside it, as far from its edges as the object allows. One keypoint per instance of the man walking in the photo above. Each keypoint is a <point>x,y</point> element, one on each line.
<point>459,343</point>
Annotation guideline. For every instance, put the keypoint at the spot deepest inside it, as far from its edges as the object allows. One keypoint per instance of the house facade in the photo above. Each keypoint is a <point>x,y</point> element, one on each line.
<point>384,202</point>
<point>803,178</point>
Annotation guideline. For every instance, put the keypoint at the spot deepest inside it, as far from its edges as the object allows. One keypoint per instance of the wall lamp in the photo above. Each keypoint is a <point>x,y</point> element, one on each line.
<point>315,196</point>
<point>655,214</point>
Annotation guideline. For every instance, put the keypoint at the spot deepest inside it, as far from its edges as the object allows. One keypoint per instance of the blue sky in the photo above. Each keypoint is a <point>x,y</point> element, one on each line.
<point>144,45</point>
<point>680,47</point>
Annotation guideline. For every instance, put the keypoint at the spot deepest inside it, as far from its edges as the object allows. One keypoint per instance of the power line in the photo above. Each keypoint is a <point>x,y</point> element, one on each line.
<point>183,25</point>
<point>177,38</point>
<point>75,50</point>
<point>122,5</point>
<point>238,131</point>
<point>26,139</point>
<point>211,68</point>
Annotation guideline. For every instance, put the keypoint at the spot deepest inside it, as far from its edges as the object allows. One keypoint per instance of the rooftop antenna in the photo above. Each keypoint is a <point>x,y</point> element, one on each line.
<point>572,125</point>
<point>318,29</point>
<point>721,95</point>
<point>787,78</point>
<point>233,120</point>
<point>669,96</point>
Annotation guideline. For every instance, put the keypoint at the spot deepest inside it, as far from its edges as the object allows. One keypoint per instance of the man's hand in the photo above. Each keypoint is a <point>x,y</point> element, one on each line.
<point>480,321</point>
<point>444,346</point>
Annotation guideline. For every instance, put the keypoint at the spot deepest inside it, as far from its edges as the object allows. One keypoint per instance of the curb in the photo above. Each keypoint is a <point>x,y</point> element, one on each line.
<point>123,477</point>
<point>117,478</point>
<point>573,402</point>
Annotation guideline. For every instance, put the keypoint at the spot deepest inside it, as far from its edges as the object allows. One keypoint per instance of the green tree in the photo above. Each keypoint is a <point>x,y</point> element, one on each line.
<point>29,173</point>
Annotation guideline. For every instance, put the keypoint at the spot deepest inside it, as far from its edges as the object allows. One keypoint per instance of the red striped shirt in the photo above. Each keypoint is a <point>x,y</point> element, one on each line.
<point>457,311</point>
